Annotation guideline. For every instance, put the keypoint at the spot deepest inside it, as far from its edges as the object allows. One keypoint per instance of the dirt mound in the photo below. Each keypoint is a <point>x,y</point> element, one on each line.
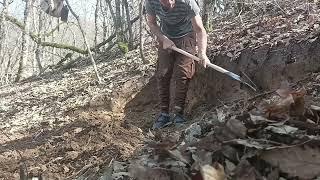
<point>65,124</point>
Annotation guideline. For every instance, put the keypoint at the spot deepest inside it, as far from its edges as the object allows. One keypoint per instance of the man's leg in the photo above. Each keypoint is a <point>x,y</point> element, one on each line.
<point>185,69</point>
<point>164,72</point>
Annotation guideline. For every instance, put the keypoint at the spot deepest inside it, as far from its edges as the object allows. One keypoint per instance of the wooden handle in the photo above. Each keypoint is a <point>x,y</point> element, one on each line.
<point>218,68</point>
<point>186,53</point>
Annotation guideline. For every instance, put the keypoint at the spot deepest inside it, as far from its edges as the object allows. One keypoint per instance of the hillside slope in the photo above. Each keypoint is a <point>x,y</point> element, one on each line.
<point>65,125</point>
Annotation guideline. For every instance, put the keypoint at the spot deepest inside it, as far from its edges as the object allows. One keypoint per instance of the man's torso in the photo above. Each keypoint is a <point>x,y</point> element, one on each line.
<point>176,22</point>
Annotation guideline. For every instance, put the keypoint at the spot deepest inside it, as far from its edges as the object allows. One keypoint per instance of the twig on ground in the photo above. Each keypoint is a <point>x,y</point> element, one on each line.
<point>261,95</point>
<point>81,171</point>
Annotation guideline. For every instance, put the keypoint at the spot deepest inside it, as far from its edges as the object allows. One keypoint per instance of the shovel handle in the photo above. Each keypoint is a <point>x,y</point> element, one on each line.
<point>218,68</point>
<point>185,53</point>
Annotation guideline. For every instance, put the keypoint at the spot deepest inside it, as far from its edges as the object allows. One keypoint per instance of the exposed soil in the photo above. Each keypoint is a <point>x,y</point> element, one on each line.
<point>65,125</point>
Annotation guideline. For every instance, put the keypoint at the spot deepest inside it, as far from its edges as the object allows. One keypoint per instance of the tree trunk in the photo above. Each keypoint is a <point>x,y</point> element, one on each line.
<point>96,14</point>
<point>6,72</point>
<point>125,3</point>
<point>144,60</point>
<point>22,71</point>
<point>3,31</point>
<point>2,41</point>
<point>53,36</point>
<point>105,29</point>
<point>39,50</point>
<point>118,25</point>
<point>112,12</point>
<point>105,23</point>
<point>9,66</point>
<point>205,15</point>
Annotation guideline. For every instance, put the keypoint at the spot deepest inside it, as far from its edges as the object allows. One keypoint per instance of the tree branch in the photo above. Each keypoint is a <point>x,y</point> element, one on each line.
<point>114,35</point>
<point>35,37</point>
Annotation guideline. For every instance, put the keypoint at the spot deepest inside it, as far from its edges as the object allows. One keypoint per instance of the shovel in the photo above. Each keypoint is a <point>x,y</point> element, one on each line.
<point>218,68</point>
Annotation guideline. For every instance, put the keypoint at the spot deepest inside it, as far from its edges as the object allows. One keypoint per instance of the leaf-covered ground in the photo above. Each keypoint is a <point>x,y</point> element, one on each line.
<point>65,125</point>
<point>65,121</point>
<point>274,135</point>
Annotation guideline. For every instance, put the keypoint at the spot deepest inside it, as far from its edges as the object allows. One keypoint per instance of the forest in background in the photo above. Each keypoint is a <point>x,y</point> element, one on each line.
<point>32,41</point>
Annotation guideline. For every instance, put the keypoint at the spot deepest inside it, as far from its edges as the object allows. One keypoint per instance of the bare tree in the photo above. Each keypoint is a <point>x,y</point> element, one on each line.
<point>112,12</point>
<point>118,25</point>
<point>43,41</point>
<point>25,42</point>
<point>2,29</point>
<point>125,3</point>
<point>207,9</point>
<point>104,21</point>
<point>144,60</point>
<point>39,48</point>
<point>96,16</point>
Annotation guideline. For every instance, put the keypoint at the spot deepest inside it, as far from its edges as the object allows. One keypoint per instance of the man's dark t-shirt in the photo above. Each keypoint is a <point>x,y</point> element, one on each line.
<point>175,23</point>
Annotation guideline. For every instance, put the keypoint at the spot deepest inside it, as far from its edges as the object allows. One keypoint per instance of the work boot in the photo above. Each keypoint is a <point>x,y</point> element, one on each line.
<point>162,121</point>
<point>179,120</point>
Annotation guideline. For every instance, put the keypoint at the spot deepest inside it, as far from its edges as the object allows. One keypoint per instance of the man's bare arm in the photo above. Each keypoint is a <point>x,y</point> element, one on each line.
<point>201,34</point>
<point>201,39</point>
<point>155,29</point>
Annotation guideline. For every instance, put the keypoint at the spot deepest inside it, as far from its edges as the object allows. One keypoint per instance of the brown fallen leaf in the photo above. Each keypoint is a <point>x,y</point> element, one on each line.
<point>291,102</point>
<point>213,173</point>
<point>298,107</point>
<point>279,109</point>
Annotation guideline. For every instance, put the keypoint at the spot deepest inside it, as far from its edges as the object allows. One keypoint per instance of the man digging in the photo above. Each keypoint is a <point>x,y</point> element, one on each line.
<point>180,26</point>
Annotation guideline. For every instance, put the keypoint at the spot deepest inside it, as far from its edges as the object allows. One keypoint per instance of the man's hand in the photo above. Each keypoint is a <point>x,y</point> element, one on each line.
<point>204,60</point>
<point>167,43</point>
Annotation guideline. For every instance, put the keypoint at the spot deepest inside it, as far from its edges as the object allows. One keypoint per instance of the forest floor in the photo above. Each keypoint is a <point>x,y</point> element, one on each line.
<point>68,127</point>
<point>62,122</point>
<point>64,125</point>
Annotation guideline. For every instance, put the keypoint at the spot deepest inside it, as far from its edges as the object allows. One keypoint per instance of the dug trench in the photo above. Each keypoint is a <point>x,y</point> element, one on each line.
<point>266,66</point>
<point>224,137</point>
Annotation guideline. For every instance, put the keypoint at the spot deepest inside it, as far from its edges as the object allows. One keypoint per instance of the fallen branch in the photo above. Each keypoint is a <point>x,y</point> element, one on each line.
<point>261,95</point>
<point>35,38</point>
<point>83,170</point>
